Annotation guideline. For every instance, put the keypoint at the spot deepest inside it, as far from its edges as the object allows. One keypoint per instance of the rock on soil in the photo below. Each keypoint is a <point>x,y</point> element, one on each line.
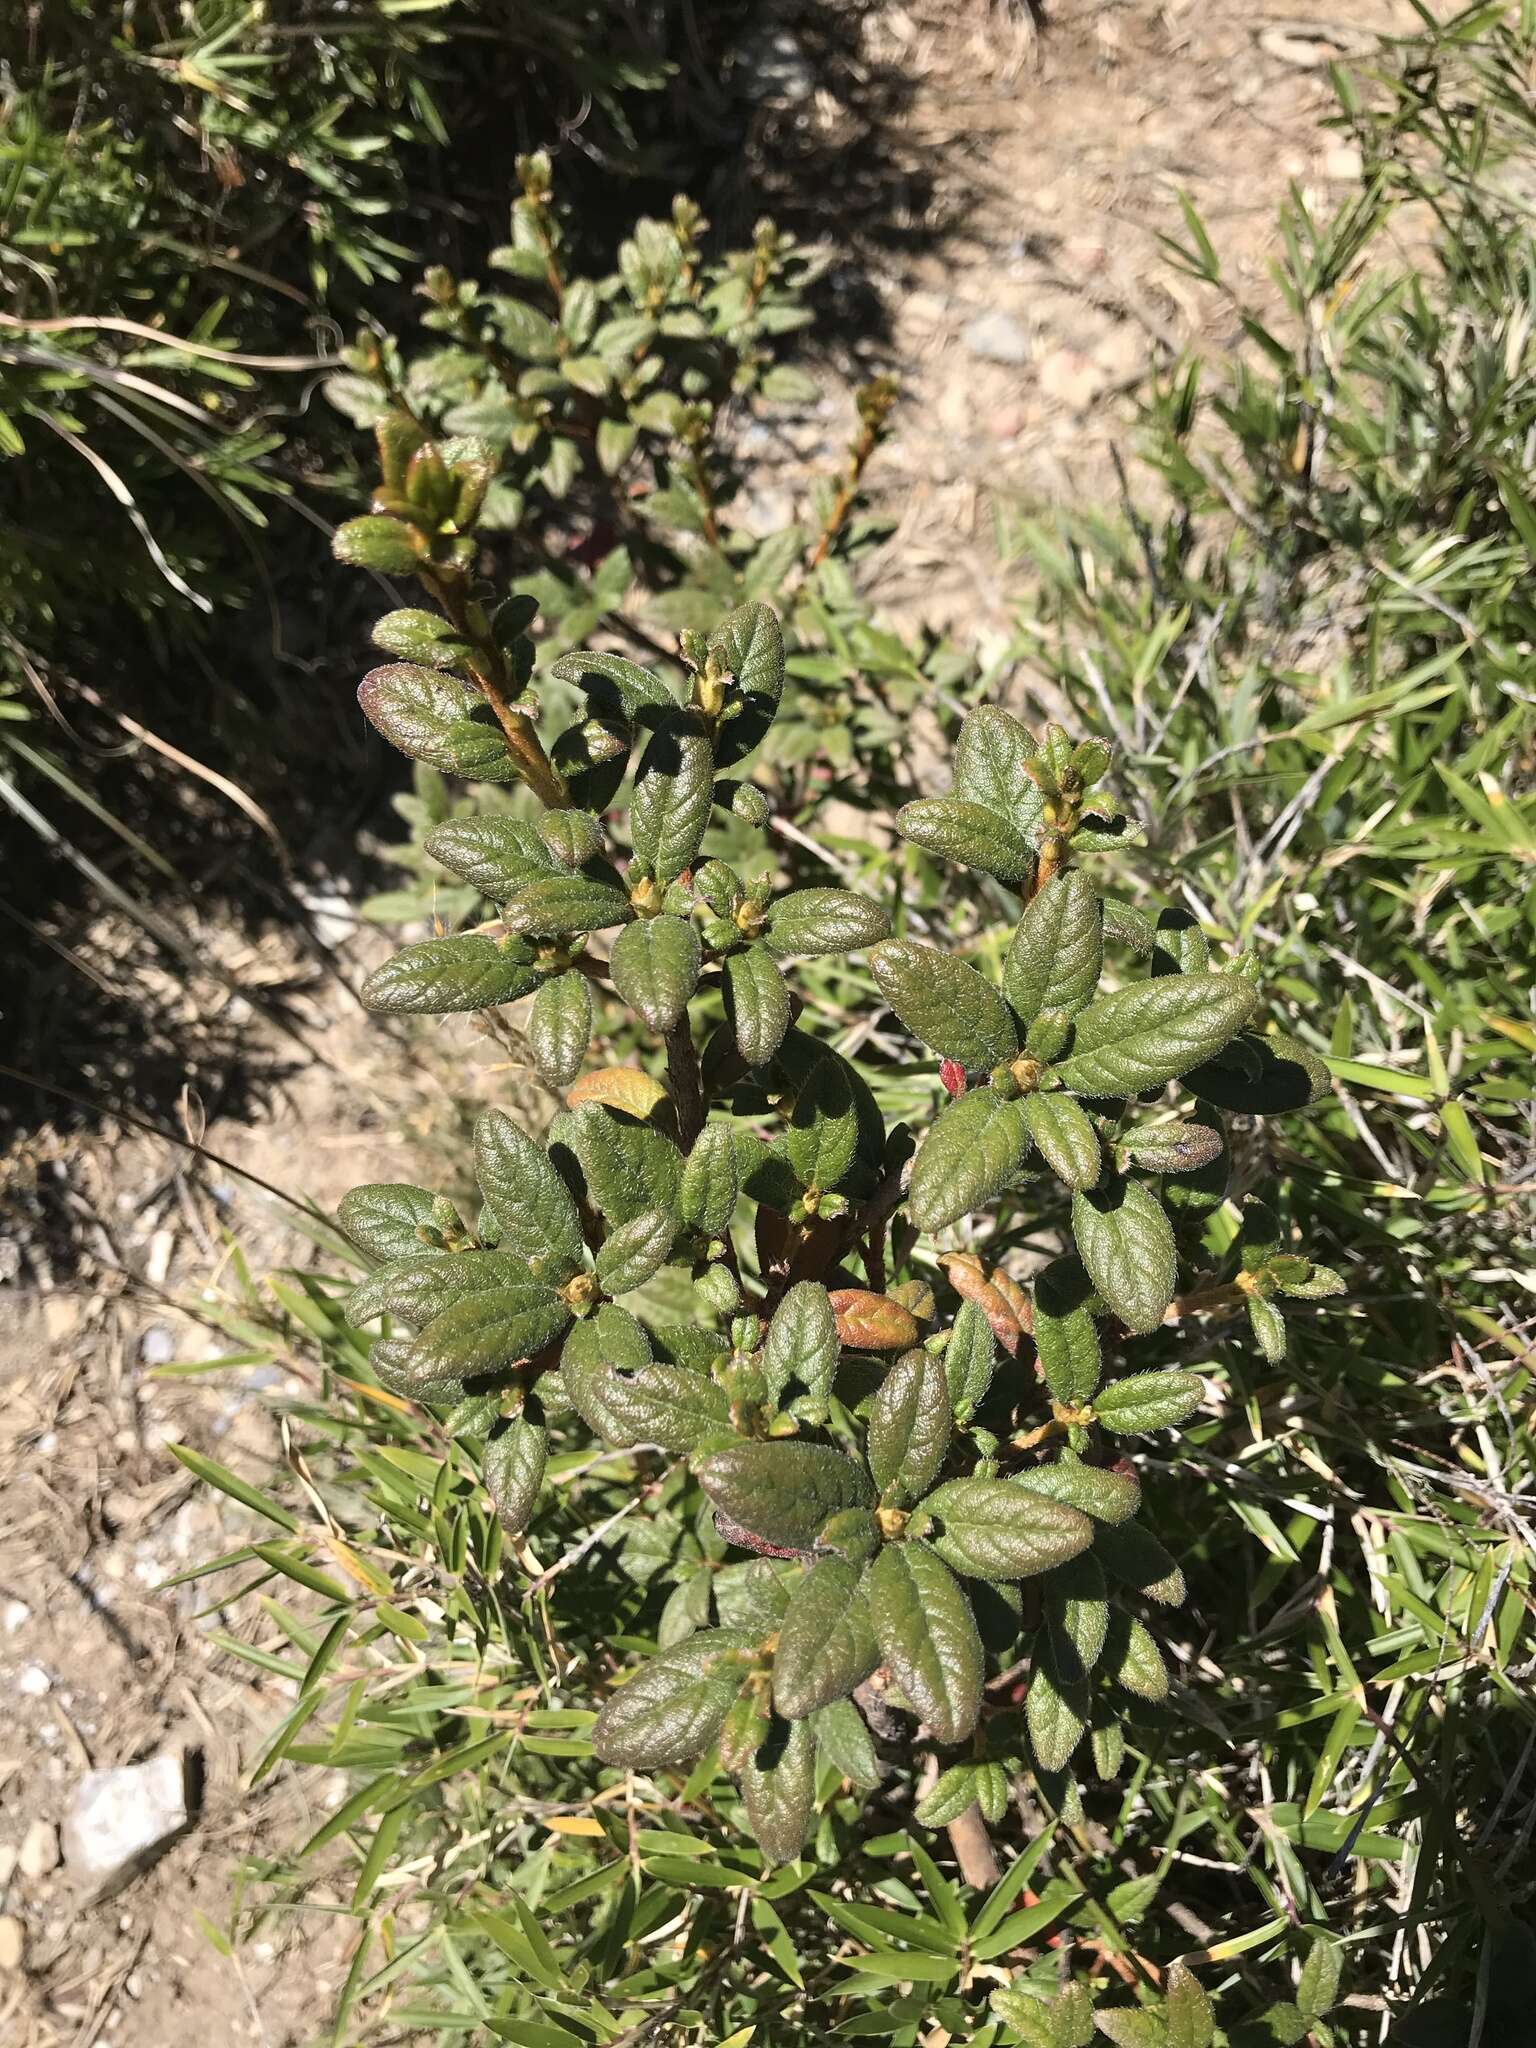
<point>119,1819</point>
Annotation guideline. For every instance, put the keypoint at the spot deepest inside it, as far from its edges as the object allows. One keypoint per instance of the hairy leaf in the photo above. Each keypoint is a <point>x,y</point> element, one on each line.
<point>1065,1139</point>
<point>757,1003</point>
<point>968,834</point>
<point>802,1342</point>
<point>973,1148</point>
<point>674,791</point>
<point>778,1786</point>
<point>808,921</point>
<point>560,1027</point>
<point>438,976</point>
<point>823,1133</point>
<point>783,1492</point>
<point>1148,1401</point>
<point>485,1333</point>
<point>530,1202</point>
<point>909,1424</point>
<point>945,1003</point>
<point>1153,1031</point>
<point>636,1251</point>
<point>514,1471</point>
<point>710,1186</point>
<point>994,1529</point>
<point>927,1636</point>
<point>970,1358</point>
<point>1106,1496</point>
<point>1066,1337</point>
<point>673,1707</point>
<point>826,1640</point>
<point>385,1217</point>
<point>655,966</point>
<point>1126,1242</point>
<point>1057,952</point>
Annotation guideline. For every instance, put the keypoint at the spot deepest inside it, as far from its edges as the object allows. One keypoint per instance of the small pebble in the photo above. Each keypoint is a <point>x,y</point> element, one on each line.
<point>16,1614</point>
<point>13,1942</point>
<point>34,1681</point>
<point>39,1849</point>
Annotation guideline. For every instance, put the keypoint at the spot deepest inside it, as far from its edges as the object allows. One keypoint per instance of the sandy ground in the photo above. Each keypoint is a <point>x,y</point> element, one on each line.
<point>1052,164</point>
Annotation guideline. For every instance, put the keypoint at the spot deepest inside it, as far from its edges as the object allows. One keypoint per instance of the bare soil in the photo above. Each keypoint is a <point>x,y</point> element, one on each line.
<point>1062,158</point>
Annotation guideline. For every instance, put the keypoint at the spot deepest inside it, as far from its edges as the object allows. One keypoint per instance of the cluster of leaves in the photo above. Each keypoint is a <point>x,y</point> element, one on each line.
<point>1347,1527</point>
<point>877,1487</point>
<point>609,406</point>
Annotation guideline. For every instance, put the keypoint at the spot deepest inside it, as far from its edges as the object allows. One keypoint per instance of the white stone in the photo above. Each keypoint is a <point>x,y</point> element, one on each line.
<point>34,1681</point>
<point>118,1819</point>
<point>13,1942</point>
<point>998,338</point>
<point>16,1614</point>
<point>39,1849</point>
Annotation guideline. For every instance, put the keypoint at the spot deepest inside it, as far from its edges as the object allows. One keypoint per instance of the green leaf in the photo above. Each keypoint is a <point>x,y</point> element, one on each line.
<point>757,1003</point>
<point>531,1203</point>
<point>1128,2028</point>
<point>802,1342</point>
<point>665,1404</point>
<point>636,1251</point>
<point>1262,1076</point>
<point>1318,1990</point>
<point>1153,1031</point>
<point>560,1027</point>
<point>973,1148</point>
<point>430,716</point>
<point>556,905</point>
<point>673,1708</point>
<point>421,1288</point>
<point>809,921</point>
<point>1136,1558</point>
<point>1056,1712</point>
<point>495,855</point>
<point>710,1187</point>
<point>945,1003</point>
<point>969,835</point>
<point>1065,1139</point>
<point>655,966</point>
<point>909,1423</point>
<point>995,1529</point>
<point>1057,954</point>
<point>1133,1659</point>
<point>991,749</point>
<point>823,1133</point>
<point>843,1741</point>
<point>1126,1243</point>
<point>595,1352</point>
<point>750,645</point>
<point>385,1217</point>
<point>674,792</point>
<point>970,1358</point>
<point>953,1793</point>
<point>783,1492</point>
<point>779,1789</point>
<point>514,1471</point>
<point>1148,1401</point>
<point>1268,1326</point>
<point>1104,1495</point>
<point>438,976</point>
<point>1190,2020</point>
<point>424,638</point>
<point>826,1640</point>
<point>627,1166</point>
<point>387,546</point>
<point>485,1333</point>
<point>1076,1615</point>
<point>927,1636</point>
<point>613,684</point>
<point>1066,1337</point>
